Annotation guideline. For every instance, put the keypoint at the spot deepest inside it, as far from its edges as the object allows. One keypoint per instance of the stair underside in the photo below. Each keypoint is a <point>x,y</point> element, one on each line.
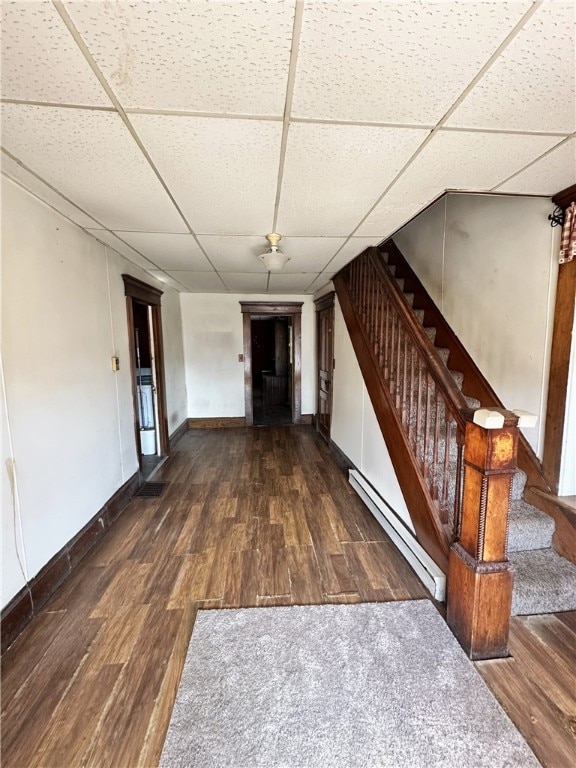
<point>544,582</point>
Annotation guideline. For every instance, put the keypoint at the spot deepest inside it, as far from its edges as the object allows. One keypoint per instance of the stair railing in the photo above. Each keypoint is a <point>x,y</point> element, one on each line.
<point>426,398</point>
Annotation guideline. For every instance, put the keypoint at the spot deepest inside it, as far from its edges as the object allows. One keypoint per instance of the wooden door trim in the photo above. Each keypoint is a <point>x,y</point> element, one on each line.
<point>136,290</point>
<point>322,304</point>
<point>252,310</point>
<point>559,360</point>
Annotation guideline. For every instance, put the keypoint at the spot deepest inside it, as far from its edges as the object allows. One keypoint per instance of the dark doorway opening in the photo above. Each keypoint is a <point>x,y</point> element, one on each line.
<point>147,367</point>
<point>272,370</point>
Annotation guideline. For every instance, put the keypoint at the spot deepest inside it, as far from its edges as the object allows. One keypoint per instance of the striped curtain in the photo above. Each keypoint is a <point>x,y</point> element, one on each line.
<point>568,240</point>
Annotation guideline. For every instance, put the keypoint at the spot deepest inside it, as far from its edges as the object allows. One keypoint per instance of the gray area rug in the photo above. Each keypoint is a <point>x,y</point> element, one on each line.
<point>372,685</point>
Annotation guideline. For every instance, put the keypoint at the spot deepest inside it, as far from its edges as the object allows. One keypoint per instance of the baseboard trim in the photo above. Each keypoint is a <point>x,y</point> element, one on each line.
<point>36,593</point>
<point>340,457</point>
<point>433,578</point>
<point>216,422</point>
<point>178,433</point>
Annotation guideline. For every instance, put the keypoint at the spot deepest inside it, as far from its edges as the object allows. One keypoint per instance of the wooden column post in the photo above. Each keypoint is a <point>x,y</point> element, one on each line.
<point>480,578</point>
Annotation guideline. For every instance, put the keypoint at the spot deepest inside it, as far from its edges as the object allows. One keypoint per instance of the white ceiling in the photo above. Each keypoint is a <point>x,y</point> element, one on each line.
<point>181,133</point>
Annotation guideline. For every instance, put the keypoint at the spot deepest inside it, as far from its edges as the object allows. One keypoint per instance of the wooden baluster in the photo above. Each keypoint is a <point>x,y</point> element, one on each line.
<point>426,470</point>
<point>419,414</point>
<point>479,575</point>
<point>446,469</point>
<point>398,356</point>
<point>405,381</point>
<point>411,394</point>
<point>382,330</point>
<point>387,340</point>
<point>435,446</point>
<point>392,358</point>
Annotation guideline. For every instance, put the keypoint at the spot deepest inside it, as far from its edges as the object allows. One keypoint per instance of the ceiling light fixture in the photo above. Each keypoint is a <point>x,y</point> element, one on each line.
<point>274,259</point>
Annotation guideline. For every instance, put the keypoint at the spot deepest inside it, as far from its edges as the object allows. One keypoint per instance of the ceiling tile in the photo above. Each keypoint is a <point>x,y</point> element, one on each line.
<point>245,283</point>
<point>320,282</point>
<point>353,248</point>
<point>394,62</point>
<point>167,280</point>
<point>91,158</point>
<point>531,85</point>
<point>222,173</point>
<point>199,282</point>
<point>334,173</point>
<point>193,55</point>
<point>169,251</point>
<point>15,171</point>
<point>453,160</point>
<point>283,283</point>
<point>549,175</point>
<point>114,242</point>
<point>41,61</point>
<point>309,254</point>
<point>235,253</point>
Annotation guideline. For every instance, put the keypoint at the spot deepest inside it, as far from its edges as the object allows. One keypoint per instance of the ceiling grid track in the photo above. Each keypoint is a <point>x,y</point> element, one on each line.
<point>124,117</point>
<point>503,45</point>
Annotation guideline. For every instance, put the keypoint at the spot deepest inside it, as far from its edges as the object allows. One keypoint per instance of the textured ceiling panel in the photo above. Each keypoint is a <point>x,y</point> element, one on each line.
<point>238,253</point>
<point>353,248</point>
<point>283,283</point>
<point>91,158</point>
<point>41,61</point>
<point>167,280</point>
<point>242,283</point>
<point>334,173</point>
<point>320,282</point>
<point>169,251</point>
<point>391,61</point>
<point>194,55</point>
<point>222,172</point>
<point>531,85</point>
<point>114,242</point>
<point>199,282</point>
<point>451,160</point>
<point>309,254</point>
<point>15,171</point>
<point>550,175</point>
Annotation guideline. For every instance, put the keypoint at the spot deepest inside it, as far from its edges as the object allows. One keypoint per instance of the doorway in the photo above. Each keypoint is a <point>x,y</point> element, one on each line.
<point>147,368</point>
<point>272,381</point>
<point>272,370</point>
<point>325,362</point>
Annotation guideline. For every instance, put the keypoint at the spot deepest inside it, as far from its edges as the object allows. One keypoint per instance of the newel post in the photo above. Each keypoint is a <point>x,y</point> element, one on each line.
<point>480,578</point>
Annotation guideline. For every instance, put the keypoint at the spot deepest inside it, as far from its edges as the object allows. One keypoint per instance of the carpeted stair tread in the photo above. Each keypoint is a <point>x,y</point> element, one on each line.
<point>529,528</point>
<point>431,332</point>
<point>472,402</point>
<point>518,484</point>
<point>544,582</point>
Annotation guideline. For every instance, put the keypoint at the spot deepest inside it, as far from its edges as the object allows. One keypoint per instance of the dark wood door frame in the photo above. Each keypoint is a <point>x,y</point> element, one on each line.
<point>255,309</point>
<point>559,360</point>
<point>324,307</point>
<point>136,290</point>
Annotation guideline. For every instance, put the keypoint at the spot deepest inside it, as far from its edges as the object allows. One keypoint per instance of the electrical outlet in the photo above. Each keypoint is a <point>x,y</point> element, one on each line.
<point>240,358</point>
<point>115,363</point>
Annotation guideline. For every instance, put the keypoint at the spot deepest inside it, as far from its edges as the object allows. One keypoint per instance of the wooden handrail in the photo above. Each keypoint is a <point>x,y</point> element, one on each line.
<point>425,401</point>
<point>442,377</point>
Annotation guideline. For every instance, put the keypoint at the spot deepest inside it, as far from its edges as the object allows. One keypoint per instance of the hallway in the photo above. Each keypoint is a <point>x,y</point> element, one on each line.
<point>250,517</point>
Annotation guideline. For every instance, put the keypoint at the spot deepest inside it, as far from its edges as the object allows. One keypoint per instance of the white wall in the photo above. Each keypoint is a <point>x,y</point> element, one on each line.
<point>490,264</point>
<point>567,481</point>
<point>63,317</point>
<point>355,429</point>
<point>213,339</point>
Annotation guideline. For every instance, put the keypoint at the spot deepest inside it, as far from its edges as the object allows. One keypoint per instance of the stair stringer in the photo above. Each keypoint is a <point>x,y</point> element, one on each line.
<point>475,384</point>
<point>422,507</point>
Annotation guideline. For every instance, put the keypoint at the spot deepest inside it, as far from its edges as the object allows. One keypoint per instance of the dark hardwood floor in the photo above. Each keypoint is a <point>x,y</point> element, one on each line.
<point>251,517</point>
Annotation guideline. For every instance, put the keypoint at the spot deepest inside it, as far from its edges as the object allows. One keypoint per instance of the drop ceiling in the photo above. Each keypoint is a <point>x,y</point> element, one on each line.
<point>181,133</point>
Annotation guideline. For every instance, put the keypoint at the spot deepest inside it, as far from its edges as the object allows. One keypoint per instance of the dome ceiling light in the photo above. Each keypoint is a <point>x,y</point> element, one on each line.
<point>274,259</point>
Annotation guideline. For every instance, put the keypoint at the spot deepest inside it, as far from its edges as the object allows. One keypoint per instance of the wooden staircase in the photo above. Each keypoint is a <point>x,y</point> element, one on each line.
<point>425,390</point>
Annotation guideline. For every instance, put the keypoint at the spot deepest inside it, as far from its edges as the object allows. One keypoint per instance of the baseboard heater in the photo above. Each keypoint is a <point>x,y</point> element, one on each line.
<point>433,578</point>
